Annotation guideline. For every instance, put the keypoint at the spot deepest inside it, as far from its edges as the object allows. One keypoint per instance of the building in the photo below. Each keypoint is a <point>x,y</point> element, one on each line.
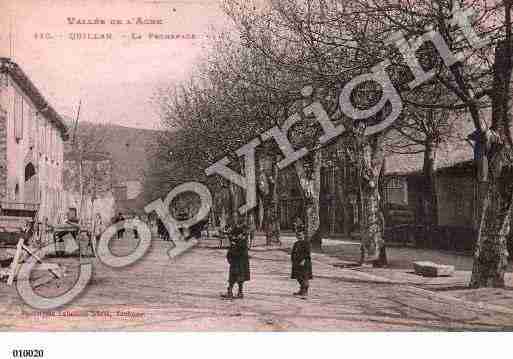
<point>456,188</point>
<point>455,181</point>
<point>32,136</point>
<point>115,171</point>
<point>457,199</point>
<point>402,190</point>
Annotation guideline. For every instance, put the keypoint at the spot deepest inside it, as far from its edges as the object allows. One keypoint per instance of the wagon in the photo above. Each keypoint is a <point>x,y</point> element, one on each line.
<point>17,221</point>
<point>81,238</point>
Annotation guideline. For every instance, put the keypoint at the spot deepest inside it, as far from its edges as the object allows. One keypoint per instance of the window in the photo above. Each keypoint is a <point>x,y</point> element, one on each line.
<point>30,171</point>
<point>36,132</point>
<point>397,191</point>
<point>53,150</point>
<point>43,135</point>
<point>18,116</point>
<point>47,139</point>
<point>51,146</point>
<point>31,126</point>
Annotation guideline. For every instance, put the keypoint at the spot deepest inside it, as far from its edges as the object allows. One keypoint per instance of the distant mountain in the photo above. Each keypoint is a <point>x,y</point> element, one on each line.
<point>127,148</point>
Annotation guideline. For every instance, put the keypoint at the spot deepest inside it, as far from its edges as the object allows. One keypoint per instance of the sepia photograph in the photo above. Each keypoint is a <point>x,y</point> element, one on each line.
<point>342,168</point>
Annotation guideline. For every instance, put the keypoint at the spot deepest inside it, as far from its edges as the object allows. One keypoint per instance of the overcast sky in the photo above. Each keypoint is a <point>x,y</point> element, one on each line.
<point>115,79</point>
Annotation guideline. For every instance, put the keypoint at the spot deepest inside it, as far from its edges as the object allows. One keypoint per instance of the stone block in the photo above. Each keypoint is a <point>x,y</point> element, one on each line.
<point>430,269</point>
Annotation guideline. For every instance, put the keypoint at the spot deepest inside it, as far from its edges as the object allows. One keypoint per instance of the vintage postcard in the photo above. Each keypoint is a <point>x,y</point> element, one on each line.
<point>265,165</point>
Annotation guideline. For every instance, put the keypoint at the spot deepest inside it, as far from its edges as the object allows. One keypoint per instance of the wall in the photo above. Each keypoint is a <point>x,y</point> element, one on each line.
<point>456,200</point>
<point>3,153</point>
<point>31,139</point>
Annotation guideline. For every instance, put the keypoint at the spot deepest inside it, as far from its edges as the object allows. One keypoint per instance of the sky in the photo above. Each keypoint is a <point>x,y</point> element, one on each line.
<point>116,79</point>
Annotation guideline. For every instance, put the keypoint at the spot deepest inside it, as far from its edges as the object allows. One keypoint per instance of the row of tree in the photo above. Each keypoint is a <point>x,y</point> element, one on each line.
<point>283,56</point>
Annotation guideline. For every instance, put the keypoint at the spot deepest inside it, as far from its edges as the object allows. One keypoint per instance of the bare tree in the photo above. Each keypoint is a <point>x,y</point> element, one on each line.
<point>481,77</point>
<point>313,42</point>
<point>87,152</point>
<point>424,130</point>
<point>217,112</point>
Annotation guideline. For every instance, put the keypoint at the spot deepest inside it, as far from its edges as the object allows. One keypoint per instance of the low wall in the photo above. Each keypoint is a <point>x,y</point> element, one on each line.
<point>450,238</point>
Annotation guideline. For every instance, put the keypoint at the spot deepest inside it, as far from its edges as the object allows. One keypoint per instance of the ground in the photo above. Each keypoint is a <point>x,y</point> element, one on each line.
<point>183,295</point>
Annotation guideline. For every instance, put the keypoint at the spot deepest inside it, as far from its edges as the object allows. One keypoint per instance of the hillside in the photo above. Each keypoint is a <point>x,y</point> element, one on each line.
<point>127,148</point>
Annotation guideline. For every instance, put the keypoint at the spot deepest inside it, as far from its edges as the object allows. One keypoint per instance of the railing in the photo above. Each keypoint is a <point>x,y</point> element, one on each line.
<point>19,206</point>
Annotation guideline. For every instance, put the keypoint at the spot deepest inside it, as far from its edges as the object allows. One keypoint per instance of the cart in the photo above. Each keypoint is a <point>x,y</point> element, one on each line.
<point>17,231</point>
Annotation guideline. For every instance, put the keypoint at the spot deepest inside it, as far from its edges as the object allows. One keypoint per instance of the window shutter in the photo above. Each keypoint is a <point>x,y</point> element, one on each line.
<point>18,117</point>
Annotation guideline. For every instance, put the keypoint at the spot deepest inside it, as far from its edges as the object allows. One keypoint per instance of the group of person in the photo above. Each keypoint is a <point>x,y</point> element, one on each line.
<point>71,226</point>
<point>121,231</point>
<point>237,257</point>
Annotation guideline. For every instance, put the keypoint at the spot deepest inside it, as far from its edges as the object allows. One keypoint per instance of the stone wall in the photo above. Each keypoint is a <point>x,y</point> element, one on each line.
<point>3,153</point>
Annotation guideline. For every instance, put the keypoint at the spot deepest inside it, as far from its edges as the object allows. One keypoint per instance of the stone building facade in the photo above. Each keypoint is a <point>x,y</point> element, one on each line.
<point>32,136</point>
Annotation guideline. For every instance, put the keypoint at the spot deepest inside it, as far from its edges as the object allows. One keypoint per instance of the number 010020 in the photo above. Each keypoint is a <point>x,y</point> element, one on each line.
<point>27,353</point>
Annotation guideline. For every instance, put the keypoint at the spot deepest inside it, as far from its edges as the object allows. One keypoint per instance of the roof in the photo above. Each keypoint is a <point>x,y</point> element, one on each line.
<point>447,156</point>
<point>8,66</point>
<point>451,153</point>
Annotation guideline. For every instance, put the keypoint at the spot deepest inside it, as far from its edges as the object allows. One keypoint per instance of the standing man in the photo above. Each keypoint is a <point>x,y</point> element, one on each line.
<point>301,260</point>
<point>238,258</point>
<point>251,228</point>
<point>121,231</point>
<point>162,230</point>
<point>136,233</point>
<point>98,229</point>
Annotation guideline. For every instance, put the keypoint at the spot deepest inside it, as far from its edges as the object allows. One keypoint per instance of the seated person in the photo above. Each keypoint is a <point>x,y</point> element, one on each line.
<point>70,226</point>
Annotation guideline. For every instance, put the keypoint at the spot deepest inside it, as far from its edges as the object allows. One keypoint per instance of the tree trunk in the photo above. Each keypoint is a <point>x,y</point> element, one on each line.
<point>223,218</point>
<point>491,255</point>
<point>310,181</point>
<point>429,195</point>
<point>372,221</point>
<point>344,203</point>
<point>341,187</point>
<point>81,186</point>
<point>495,176</point>
<point>269,195</point>
<point>233,202</point>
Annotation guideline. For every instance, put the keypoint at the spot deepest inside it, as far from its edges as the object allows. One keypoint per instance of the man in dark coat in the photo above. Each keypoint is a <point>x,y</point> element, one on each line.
<point>301,261</point>
<point>117,219</point>
<point>238,258</point>
<point>162,230</point>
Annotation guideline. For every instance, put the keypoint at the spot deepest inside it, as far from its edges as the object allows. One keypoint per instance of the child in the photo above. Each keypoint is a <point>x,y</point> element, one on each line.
<point>238,258</point>
<point>301,261</point>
